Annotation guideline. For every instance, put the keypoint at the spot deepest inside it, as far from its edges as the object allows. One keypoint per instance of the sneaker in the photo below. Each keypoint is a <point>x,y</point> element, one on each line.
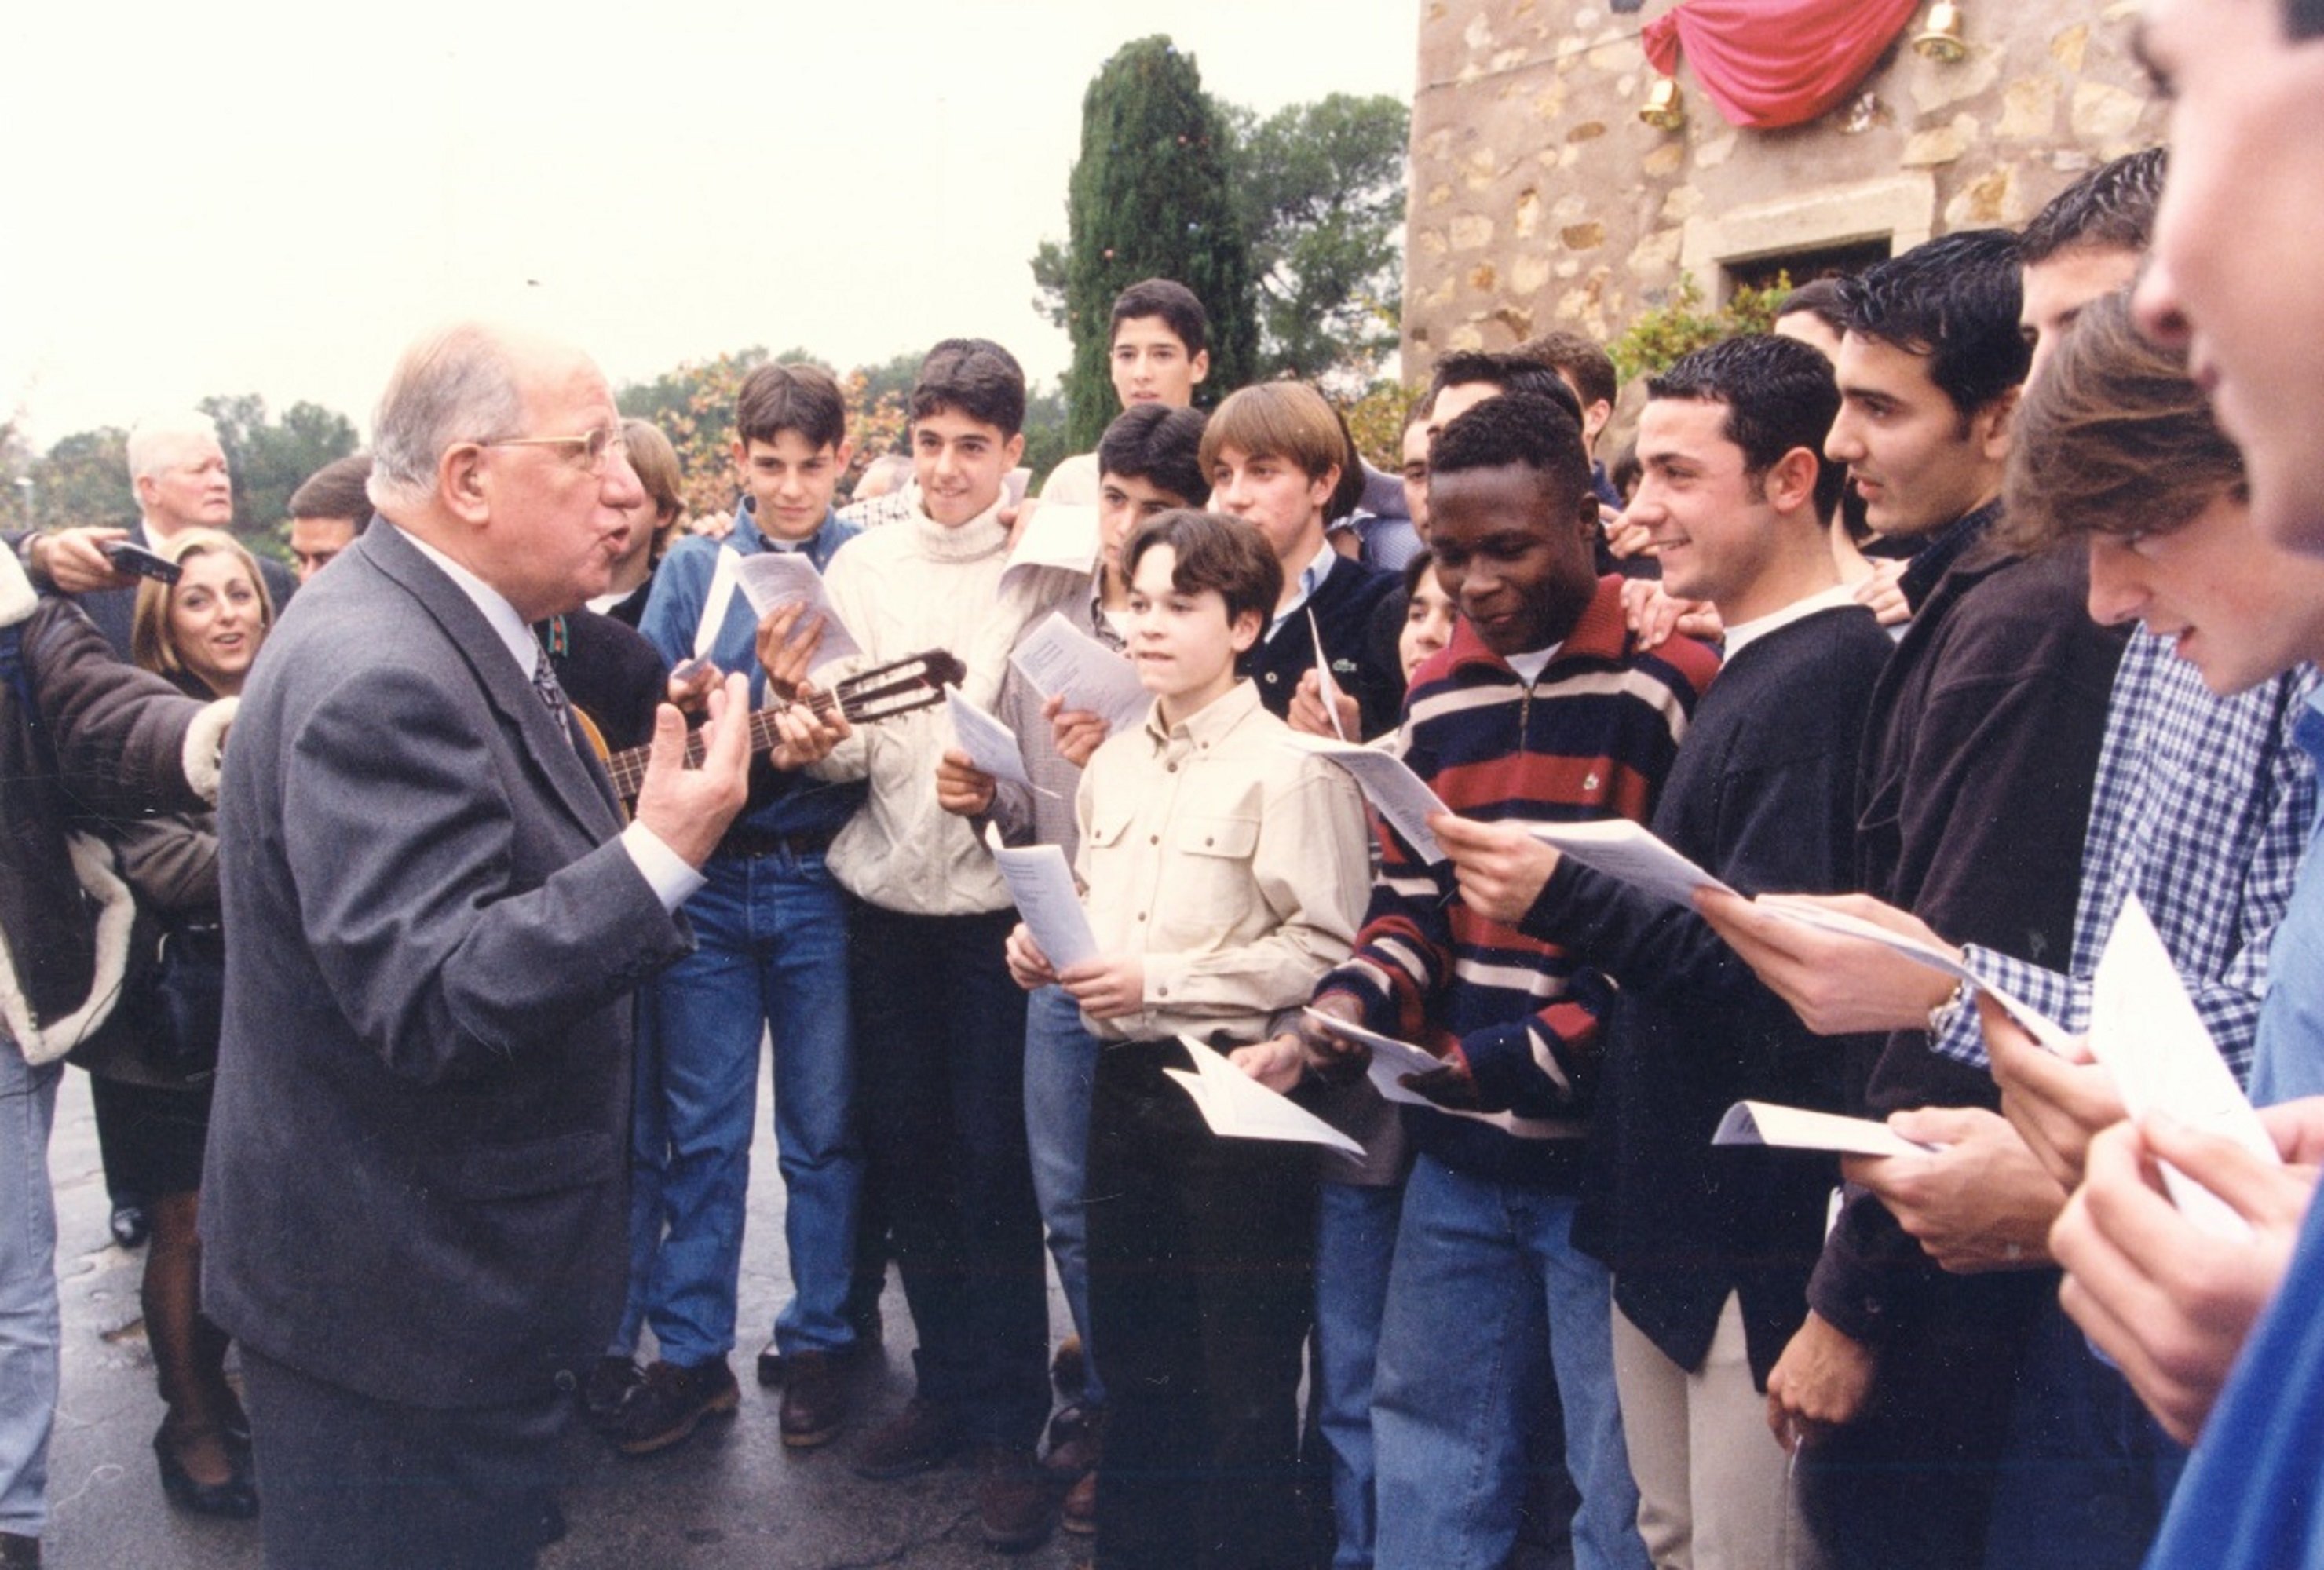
<point>1079,1514</point>
<point>671,1402</point>
<point>1076,1439</point>
<point>611,1381</point>
<point>1016,1503</point>
<point>925,1434</point>
<point>815,1398</point>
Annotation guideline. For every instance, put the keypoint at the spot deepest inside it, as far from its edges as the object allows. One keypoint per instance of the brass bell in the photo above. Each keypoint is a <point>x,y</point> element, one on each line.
<point>1941,39</point>
<point>1664,109</point>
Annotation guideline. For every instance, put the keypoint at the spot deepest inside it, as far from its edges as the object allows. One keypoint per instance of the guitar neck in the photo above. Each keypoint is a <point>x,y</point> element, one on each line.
<point>627,767</point>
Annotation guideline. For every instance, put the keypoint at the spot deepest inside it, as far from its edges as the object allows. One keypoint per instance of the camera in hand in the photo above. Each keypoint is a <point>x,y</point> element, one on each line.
<point>127,557</point>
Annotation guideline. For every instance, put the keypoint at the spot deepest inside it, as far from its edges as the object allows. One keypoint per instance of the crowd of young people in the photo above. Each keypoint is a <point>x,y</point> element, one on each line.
<point>1859,641</point>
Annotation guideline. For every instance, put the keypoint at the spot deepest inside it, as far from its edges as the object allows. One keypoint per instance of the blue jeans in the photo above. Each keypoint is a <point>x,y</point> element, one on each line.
<point>771,956</point>
<point>1060,1068</point>
<point>29,1328</point>
<point>1488,1293</point>
<point>1355,1244</point>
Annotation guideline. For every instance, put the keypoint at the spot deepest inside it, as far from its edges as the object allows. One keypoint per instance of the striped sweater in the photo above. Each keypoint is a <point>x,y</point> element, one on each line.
<point>1591,738</point>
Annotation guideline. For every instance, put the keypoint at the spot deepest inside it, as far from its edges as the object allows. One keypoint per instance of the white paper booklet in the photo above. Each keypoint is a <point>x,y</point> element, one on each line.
<point>1402,796</point>
<point>1798,1128</point>
<point>1238,1107</point>
<point>1061,535</point>
<point>1326,688</point>
<point>2144,1028</point>
<point>1042,885</point>
<point>990,746</point>
<point>771,580</point>
<point>1058,656</point>
<point>1628,851</point>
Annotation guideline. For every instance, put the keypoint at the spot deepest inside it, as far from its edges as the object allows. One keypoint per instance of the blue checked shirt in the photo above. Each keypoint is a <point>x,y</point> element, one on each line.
<point>2202,808</point>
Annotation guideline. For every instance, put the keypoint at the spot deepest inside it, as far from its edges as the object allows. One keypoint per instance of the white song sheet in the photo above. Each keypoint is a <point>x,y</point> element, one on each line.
<point>1058,657</point>
<point>1238,1107</point>
<point>1042,885</point>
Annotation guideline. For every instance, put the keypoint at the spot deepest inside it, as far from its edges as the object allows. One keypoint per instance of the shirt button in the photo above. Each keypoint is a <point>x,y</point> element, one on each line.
<point>1270,678</point>
<point>566,1381</point>
<point>1154,839</point>
<point>1169,768</point>
<point>1141,915</point>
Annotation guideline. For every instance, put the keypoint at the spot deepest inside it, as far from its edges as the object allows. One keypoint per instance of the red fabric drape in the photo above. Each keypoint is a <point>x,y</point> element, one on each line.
<point>1768,63</point>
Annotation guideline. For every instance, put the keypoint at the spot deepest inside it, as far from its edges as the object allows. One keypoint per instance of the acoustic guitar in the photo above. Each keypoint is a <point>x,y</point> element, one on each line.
<point>917,681</point>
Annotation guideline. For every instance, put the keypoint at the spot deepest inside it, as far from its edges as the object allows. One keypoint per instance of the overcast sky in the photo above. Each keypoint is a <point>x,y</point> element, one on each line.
<point>261,195</point>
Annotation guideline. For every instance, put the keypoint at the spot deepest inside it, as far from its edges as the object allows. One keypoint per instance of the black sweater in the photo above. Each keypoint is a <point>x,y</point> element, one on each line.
<point>1762,796</point>
<point>1342,605</point>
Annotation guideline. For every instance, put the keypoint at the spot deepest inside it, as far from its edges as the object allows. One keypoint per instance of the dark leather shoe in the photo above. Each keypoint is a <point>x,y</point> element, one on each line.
<point>1079,1513</point>
<point>1016,1503</point>
<point>770,1367</point>
<point>611,1381</point>
<point>236,1498</point>
<point>925,1434</point>
<point>131,1225</point>
<point>1069,1369</point>
<point>18,1552</point>
<point>1076,1441</point>
<point>815,1398</point>
<point>670,1404</point>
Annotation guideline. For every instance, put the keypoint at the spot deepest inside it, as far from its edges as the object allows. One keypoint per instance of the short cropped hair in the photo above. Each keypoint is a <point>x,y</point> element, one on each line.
<point>1279,419</point>
<point>1955,301</point>
<point>151,644</point>
<point>800,397</point>
<point>1779,394</point>
<point>156,435</point>
<point>2113,438</point>
<point>337,491</point>
<point>1515,429</point>
<point>1173,302</point>
<point>1212,551</point>
<point>1582,359</point>
<point>1509,372</point>
<point>1818,298</point>
<point>975,377</point>
<point>2110,209</point>
<point>457,384</point>
<point>1158,444</point>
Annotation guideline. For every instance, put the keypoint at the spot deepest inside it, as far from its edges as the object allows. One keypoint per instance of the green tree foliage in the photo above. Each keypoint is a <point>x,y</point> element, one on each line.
<point>1149,198</point>
<point>84,478</point>
<point>1320,190</point>
<point>1656,338</point>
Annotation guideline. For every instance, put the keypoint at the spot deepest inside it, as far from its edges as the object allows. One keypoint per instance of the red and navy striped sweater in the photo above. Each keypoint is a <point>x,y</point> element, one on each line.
<point>1591,738</point>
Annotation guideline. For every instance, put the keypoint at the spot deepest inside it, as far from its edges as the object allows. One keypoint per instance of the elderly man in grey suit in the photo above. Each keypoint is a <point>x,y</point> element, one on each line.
<point>414,1209</point>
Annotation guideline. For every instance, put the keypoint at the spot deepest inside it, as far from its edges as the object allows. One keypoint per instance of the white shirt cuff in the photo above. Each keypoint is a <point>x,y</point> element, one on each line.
<point>663,868</point>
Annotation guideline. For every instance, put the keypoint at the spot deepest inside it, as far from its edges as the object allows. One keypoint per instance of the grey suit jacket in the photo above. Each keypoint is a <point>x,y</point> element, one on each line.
<point>416,1182</point>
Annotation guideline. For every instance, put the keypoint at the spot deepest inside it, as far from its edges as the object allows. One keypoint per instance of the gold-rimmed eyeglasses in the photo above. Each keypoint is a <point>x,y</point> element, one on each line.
<point>596,447</point>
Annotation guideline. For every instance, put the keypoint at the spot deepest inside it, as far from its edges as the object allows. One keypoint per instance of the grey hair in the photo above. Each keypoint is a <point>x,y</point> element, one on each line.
<point>152,439</point>
<point>457,384</point>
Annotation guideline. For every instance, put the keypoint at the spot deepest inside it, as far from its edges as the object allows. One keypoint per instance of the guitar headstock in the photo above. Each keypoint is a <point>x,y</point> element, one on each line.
<point>917,681</point>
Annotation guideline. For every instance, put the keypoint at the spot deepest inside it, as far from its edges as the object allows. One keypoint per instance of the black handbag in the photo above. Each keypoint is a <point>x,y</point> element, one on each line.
<point>189,996</point>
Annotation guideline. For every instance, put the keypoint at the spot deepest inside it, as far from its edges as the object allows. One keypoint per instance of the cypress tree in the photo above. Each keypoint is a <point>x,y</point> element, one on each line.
<point>1150,199</point>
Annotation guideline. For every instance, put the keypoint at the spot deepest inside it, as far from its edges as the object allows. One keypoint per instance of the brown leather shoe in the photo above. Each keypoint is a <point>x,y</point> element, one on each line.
<point>1079,1515</point>
<point>672,1404</point>
<point>1016,1503</point>
<point>925,1434</point>
<point>815,1398</point>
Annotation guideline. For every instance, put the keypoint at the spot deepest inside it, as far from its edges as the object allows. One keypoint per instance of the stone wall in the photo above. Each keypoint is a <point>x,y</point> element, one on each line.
<point>1539,199</point>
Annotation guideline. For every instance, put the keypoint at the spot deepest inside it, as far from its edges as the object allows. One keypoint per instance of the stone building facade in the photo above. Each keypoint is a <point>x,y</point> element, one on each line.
<point>1539,199</point>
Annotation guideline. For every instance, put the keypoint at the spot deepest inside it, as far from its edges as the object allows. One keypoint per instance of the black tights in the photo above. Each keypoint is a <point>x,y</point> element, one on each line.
<point>189,1351</point>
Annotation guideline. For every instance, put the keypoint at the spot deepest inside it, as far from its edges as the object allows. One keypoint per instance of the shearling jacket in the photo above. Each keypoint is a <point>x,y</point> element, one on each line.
<point>98,739</point>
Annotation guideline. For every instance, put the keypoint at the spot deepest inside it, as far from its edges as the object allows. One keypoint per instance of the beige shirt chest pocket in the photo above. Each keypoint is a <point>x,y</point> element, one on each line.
<point>1206,896</point>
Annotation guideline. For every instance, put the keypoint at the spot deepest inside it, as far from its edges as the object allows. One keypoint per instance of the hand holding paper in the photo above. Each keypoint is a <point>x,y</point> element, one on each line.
<point>1062,661</point>
<point>1237,1107</point>
<point>1042,885</point>
<point>1401,797</point>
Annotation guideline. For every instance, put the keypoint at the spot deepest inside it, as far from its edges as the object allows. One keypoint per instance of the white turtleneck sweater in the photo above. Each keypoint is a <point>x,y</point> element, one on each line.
<point>913,586</point>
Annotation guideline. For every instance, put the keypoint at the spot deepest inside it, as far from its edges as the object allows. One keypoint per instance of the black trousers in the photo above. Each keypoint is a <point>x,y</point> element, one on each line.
<point>1202,1289</point>
<point>940,1054</point>
<point>355,1484</point>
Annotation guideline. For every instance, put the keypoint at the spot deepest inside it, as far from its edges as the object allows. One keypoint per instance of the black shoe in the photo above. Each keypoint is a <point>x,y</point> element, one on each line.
<point>672,1404</point>
<point>612,1380</point>
<point>236,1498</point>
<point>131,1227</point>
<point>925,1434</point>
<point>18,1552</point>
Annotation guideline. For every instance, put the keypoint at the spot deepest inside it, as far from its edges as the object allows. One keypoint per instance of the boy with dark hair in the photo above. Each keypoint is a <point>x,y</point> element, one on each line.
<point>769,959</point>
<point>1588,371</point>
<point>941,1071</point>
<point>1277,455</point>
<point>1711,1249</point>
<point>330,507</point>
<point>2088,242</point>
<point>1150,463</point>
<point>1982,744</point>
<point>1199,1258</point>
<point>1159,351</point>
<point>1542,707</point>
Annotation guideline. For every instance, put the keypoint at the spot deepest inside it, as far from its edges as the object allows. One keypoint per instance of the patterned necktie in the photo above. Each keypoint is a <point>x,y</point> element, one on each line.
<point>545,687</point>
